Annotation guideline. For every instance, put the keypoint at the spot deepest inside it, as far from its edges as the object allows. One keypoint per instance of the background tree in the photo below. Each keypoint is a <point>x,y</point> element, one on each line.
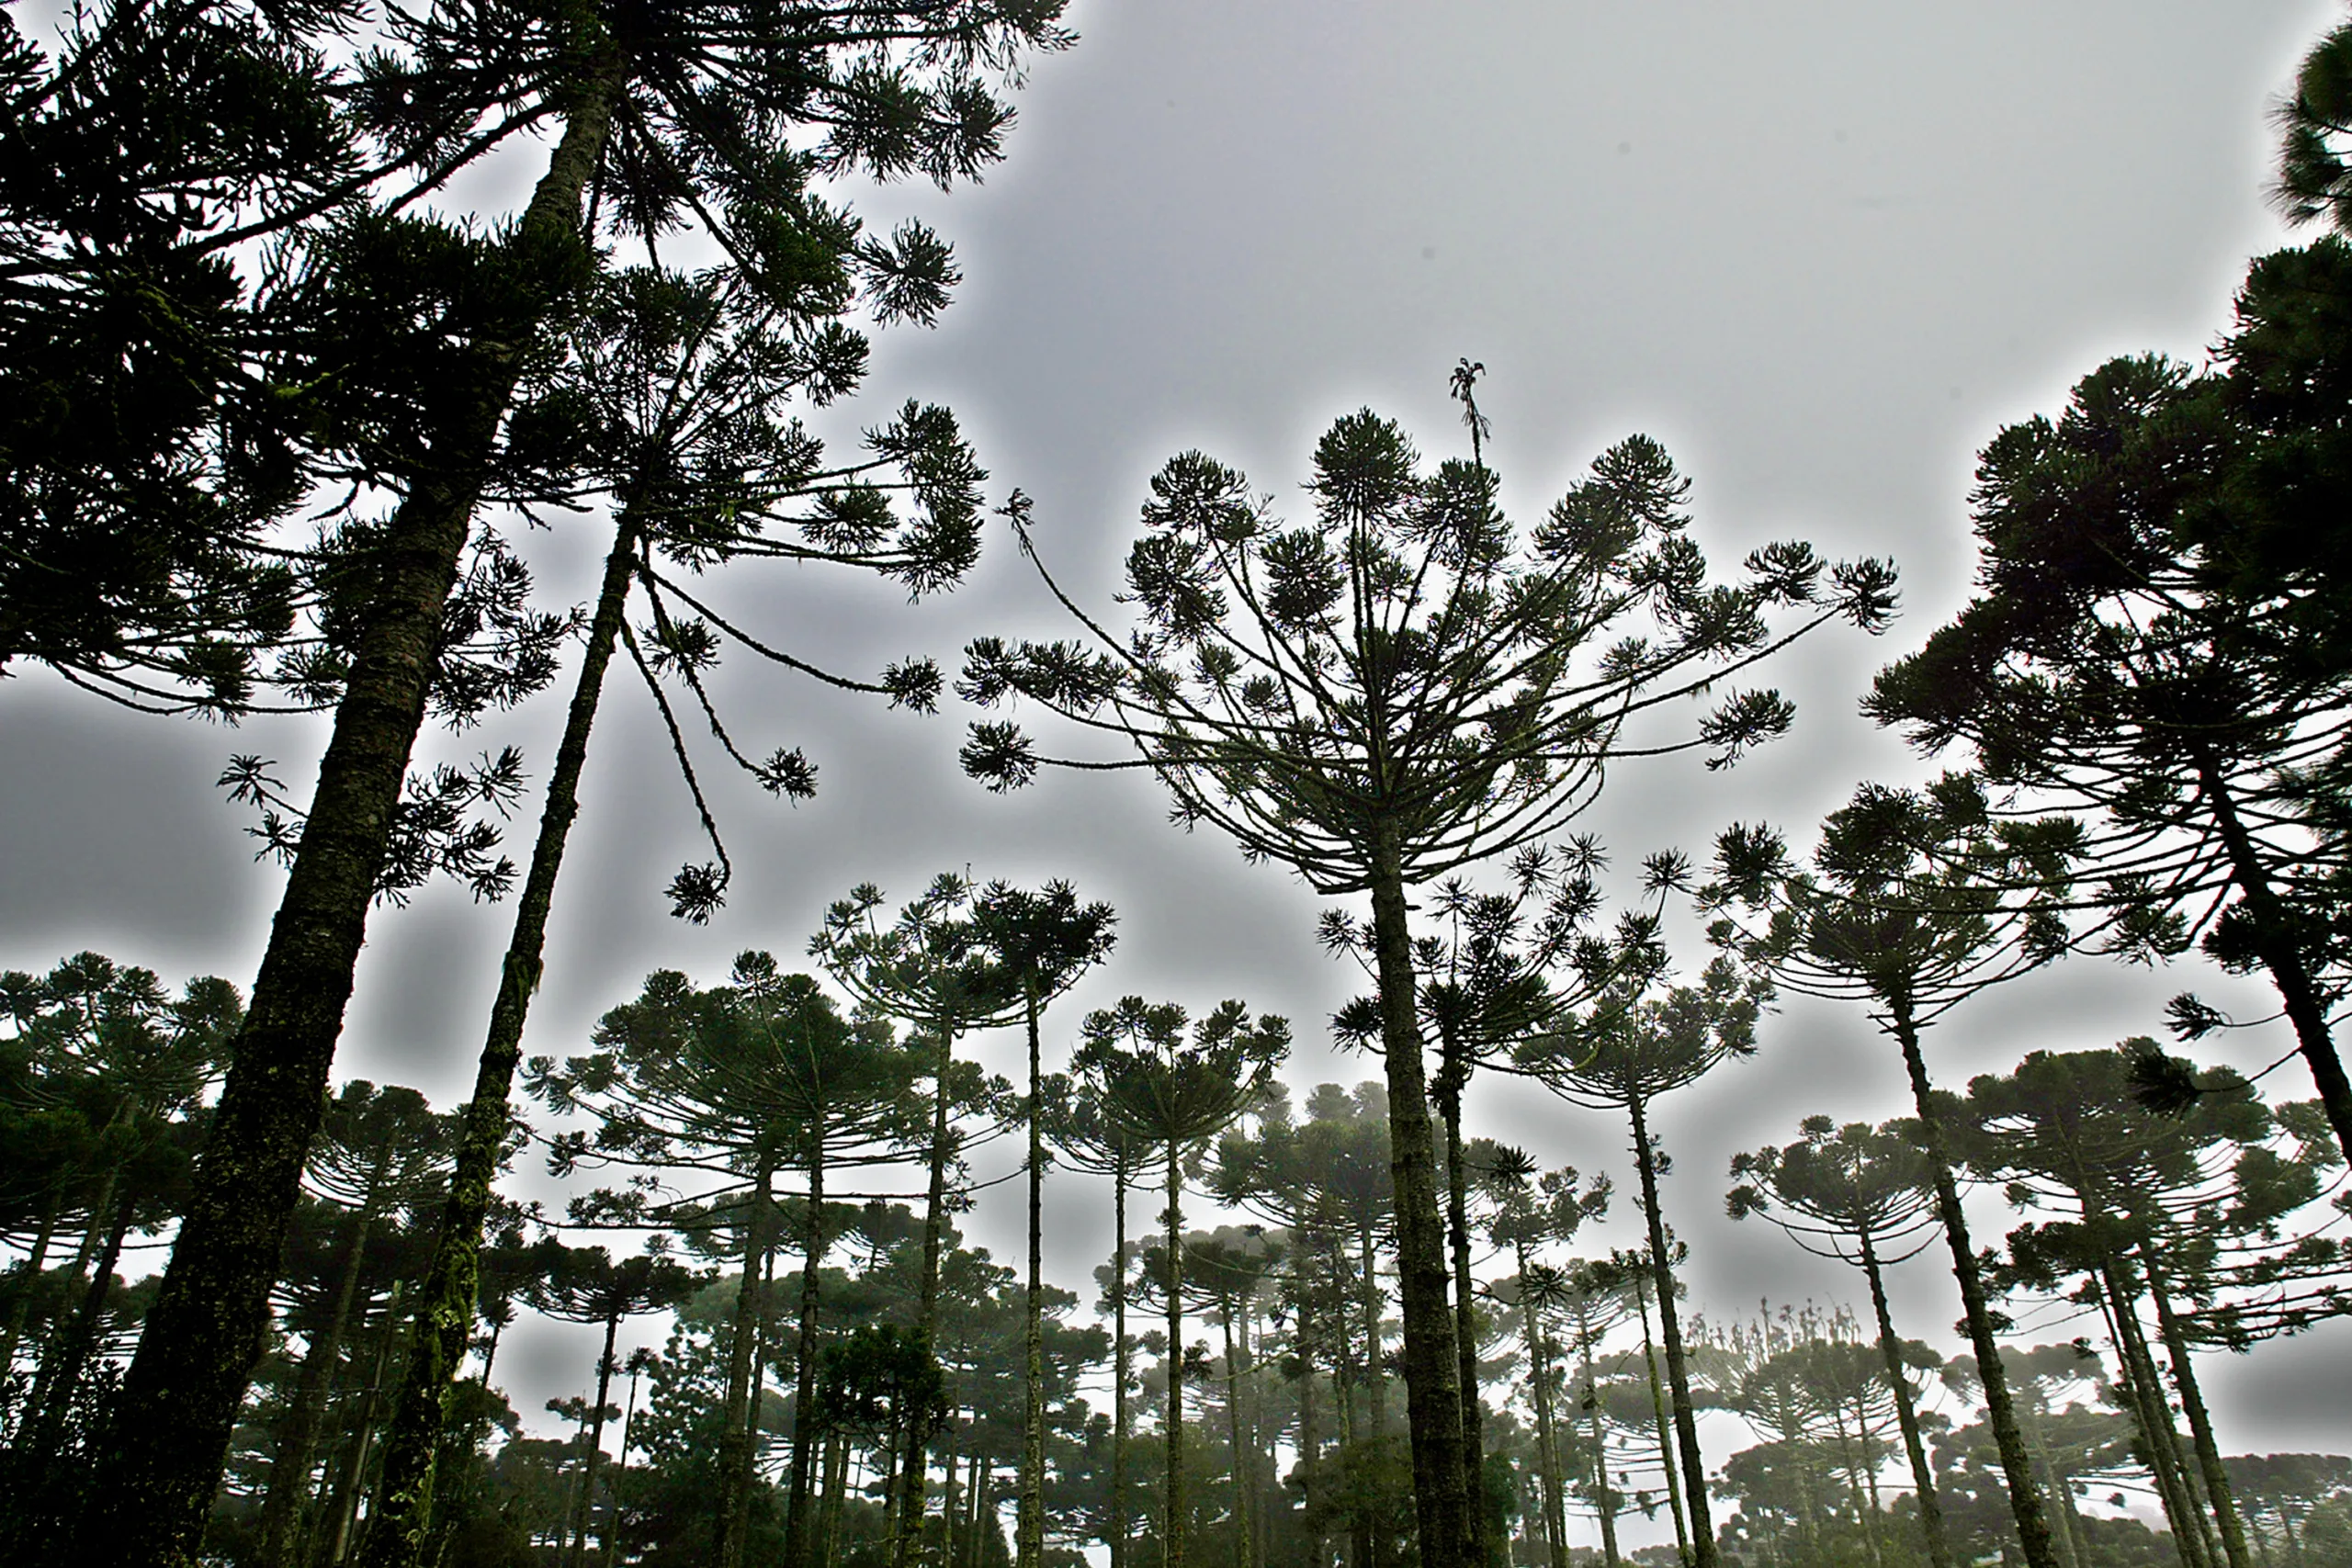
<point>1866,1188</point>
<point>1399,688</point>
<point>1918,899</point>
<point>1177,1085</point>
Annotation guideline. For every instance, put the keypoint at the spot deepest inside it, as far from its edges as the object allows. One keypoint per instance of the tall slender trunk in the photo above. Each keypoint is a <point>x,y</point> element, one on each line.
<point>806,1429</point>
<point>836,1483</point>
<point>1309,1439</point>
<point>70,1353</point>
<point>734,1501</point>
<point>1539,1380</point>
<point>355,1474</point>
<point>26,1277</point>
<point>614,1547</point>
<point>164,1450</point>
<point>289,1469</point>
<point>2017,1465</point>
<point>1923,1480</point>
<point>452,1286</point>
<point>584,1509</point>
<point>904,1509</point>
<point>1030,1550</point>
<point>1604,1498</point>
<point>1432,1368</point>
<point>2154,1417</point>
<point>2290,971</point>
<point>1670,1323</point>
<point>1465,1321</point>
<point>1659,1412</point>
<point>1171,1534</point>
<point>1120,1354</point>
<point>2200,1422</point>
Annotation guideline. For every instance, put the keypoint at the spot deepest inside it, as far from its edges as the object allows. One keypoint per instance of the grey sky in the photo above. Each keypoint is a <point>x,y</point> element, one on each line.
<point>1822,251</point>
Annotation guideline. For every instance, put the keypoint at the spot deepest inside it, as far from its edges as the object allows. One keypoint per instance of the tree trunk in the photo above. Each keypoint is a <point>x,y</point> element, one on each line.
<point>180,1399</point>
<point>355,1474</point>
<point>806,1429</point>
<point>905,1508</point>
<point>2000,1410</point>
<point>27,1277</point>
<point>70,1353</point>
<point>2290,971</point>
<point>1432,1368</point>
<point>1032,1547</point>
<point>2154,1417</point>
<point>1605,1499</point>
<point>289,1469</point>
<point>1465,1321</point>
<point>584,1509</point>
<point>402,1514</point>
<point>734,1501</point>
<point>1120,1368</point>
<point>1171,1534</point>
<point>615,1548</point>
<point>2200,1423</point>
<point>1923,1480</point>
<point>1670,1323</point>
<point>1309,1439</point>
<point>1539,1381</point>
<point>1233,1437</point>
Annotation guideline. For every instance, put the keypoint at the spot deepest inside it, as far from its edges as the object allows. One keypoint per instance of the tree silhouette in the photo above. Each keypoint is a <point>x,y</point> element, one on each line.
<point>1867,1187</point>
<point>1396,690</point>
<point>1177,1084</point>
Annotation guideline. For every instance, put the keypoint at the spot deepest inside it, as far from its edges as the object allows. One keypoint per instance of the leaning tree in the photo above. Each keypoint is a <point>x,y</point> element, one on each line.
<point>1403,686</point>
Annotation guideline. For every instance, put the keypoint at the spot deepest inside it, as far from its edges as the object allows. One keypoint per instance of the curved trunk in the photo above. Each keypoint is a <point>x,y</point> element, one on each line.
<point>1031,1549</point>
<point>1923,1480</point>
<point>1171,1533</point>
<point>734,1500</point>
<point>2000,1410</point>
<point>452,1288</point>
<point>1432,1368</point>
<point>169,1439</point>
<point>806,1432</point>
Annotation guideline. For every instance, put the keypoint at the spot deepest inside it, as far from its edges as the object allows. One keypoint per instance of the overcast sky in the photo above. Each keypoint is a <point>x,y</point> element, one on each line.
<point>1821,251</point>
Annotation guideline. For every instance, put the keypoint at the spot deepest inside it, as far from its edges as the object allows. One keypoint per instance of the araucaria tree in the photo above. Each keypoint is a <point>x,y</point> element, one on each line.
<point>1851,1194</point>
<point>722,113</point>
<point>1176,1095</point>
<point>1400,687</point>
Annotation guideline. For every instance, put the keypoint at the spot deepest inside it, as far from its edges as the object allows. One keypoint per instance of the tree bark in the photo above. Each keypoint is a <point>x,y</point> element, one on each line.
<point>2000,1410</point>
<point>1539,1380</point>
<point>165,1449</point>
<point>1669,1322</point>
<point>905,1494</point>
<point>1120,1368</point>
<point>398,1527</point>
<point>1432,1366</point>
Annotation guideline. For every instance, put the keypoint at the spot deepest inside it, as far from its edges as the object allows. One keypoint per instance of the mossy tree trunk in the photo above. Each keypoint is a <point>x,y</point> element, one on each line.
<point>1432,1365</point>
<point>451,1297</point>
<point>165,1449</point>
